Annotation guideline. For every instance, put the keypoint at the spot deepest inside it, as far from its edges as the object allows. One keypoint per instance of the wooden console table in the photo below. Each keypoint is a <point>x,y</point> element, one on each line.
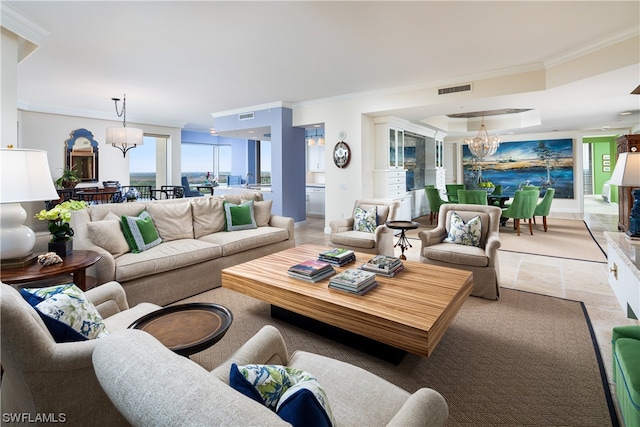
<point>75,264</point>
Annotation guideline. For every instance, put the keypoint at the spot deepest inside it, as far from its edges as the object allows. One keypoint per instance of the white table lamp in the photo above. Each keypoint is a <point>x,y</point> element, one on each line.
<point>627,174</point>
<point>24,177</point>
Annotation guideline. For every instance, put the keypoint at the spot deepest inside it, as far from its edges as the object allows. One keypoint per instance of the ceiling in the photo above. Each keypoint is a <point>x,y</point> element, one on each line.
<point>179,62</point>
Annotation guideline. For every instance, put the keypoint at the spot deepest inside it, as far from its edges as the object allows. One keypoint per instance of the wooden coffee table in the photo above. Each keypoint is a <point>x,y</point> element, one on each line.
<point>187,328</point>
<point>410,311</point>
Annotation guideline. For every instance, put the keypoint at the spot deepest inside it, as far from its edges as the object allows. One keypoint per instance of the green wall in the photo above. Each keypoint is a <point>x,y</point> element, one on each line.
<point>601,148</point>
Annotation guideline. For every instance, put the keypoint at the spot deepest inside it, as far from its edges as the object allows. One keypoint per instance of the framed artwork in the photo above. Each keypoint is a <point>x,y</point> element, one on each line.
<point>545,163</point>
<point>606,163</point>
<point>606,168</point>
<point>606,157</point>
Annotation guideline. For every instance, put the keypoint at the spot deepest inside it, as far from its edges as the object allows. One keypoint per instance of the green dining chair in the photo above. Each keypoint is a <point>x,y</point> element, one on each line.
<point>522,207</point>
<point>530,187</point>
<point>452,191</point>
<point>543,208</point>
<point>435,201</point>
<point>497,192</point>
<point>472,197</point>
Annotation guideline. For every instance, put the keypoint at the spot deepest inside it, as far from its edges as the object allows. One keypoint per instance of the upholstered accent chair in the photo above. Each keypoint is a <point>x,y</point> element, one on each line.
<point>522,208</point>
<point>482,260</point>
<point>188,192</point>
<point>435,201</point>
<point>45,377</point>
<point>544,207</point>
<point>178,391</point>
<point>472,197</point>
<point>380,241</point>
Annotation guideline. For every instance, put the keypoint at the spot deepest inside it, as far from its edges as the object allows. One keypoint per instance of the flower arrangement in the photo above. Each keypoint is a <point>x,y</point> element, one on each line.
<point>59,217</point>
<point>486,184</point>
<point>211,181</point>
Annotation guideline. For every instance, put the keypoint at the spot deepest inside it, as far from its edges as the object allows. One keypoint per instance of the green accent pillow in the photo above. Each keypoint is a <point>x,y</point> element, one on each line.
<point>366,221</point>
<point>462,233</point>
<point>66,312</point>
<point>293,394</point>
<point>140,232</point>
<point>239,217</point>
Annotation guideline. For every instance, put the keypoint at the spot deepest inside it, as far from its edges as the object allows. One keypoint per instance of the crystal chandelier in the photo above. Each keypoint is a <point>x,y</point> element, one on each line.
<point>483,145</point>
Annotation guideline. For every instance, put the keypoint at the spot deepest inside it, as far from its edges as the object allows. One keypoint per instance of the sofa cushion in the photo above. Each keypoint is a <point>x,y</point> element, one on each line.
<point>262,212</point>
<point>244,240</point>
<point>365,220</point>
<point>358,239</point>
<point>457,254</point>
<point>464,233</point>
<point>165,257</point>
<point>66,312</point>
<point>239,217</point>
<point>140,232</point>
<point>295,395</point>
<point>108,235</point>
<point>208,215</point>
<point>238,198</point>
<point>172,220</point>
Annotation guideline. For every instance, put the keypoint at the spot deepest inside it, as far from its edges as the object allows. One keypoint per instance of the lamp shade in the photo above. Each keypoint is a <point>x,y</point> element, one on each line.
<point>25,176</point>
<point>124,136</point>
<point>627,170</point>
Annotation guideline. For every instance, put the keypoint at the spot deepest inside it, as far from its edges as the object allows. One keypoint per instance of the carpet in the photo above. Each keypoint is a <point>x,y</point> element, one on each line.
<point>565,238</point>
<point>526,359</point>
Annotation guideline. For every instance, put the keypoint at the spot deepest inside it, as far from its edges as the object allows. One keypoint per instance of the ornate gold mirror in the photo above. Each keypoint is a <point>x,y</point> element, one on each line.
<point>82,155</point>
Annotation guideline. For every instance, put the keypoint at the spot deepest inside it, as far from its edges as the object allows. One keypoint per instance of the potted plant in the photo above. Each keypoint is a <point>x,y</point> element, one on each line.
<point>69,179</point>
<point>59,218</point>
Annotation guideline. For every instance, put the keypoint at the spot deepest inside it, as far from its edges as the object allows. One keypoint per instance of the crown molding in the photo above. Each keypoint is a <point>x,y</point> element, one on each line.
<point>259,107</point>
<point>31,33</point>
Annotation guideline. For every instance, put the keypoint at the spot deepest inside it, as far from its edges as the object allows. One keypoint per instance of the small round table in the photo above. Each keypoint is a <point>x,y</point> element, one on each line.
<point>187,328</point>
<point>403,226</point>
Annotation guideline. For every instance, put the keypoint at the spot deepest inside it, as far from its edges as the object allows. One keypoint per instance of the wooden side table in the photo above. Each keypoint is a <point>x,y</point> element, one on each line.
<point>75,264</point>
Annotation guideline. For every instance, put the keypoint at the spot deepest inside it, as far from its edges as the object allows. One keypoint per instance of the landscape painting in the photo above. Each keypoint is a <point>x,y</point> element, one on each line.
<point>545,163</point>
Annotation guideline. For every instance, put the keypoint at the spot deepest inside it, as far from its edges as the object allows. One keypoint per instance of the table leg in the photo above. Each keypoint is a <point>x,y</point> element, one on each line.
<point>80,278</point>
<point>403,242</point>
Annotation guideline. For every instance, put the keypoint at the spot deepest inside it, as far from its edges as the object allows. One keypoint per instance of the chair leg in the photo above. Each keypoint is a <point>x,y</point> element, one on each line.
<point>430,217</point>
<point>534,219</point>
<point>530,227</point>
<point>544,223</point>
<point>516,224</point>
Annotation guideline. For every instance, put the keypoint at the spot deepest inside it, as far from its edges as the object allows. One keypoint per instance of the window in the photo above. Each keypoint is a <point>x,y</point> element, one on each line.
<point>148,162</point>
<point>198,159</point>
<point>264,162</point>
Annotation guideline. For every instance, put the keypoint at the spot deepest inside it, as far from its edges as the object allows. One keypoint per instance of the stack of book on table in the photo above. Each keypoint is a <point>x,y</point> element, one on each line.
<point>383,265</point>
<point>338,256</point>
<point>311,270</point>
<point>354,280</point>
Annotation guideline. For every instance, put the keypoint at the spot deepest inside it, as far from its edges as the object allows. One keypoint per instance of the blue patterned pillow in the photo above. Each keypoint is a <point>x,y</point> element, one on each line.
<point>293,394</point>
<point>462,233</point>
<point>66,312</point>
<point>365,220</point>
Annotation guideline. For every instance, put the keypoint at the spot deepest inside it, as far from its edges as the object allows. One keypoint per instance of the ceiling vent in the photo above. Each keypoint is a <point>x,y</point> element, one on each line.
<point>246,116</point>
<point>454,89</point>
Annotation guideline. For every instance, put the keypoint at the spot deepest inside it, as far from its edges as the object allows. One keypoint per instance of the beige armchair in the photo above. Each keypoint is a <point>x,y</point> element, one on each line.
<point>482,260</point>
<point>380,242</point>
<point>177,391</point>
<point>42,377</point>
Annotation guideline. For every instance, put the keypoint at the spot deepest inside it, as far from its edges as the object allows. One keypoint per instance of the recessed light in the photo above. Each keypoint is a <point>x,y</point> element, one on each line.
<point>606,127</point>
<point>252,131</point>
<point>625,113</point>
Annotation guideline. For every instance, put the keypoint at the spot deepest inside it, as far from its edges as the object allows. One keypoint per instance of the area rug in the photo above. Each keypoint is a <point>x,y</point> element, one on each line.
<point>565,238</point>
<point>526,359</point>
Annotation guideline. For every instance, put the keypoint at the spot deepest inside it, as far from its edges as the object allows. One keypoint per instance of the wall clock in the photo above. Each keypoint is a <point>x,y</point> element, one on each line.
<point>341,154</point>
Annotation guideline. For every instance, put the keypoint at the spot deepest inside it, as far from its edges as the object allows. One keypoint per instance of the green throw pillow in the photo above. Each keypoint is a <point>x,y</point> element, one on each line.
<point>140,232</point>
<point>366,221</point>
<point>462,233</point>
<point>66,312</point>
<point>239,217</point>
<point>295,395</point>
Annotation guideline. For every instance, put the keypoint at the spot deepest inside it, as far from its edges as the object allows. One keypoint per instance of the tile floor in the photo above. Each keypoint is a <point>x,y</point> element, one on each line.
<point>576,280</point>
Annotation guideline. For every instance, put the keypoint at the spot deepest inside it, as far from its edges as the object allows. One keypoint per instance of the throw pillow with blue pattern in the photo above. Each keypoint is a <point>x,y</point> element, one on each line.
<point>462,233</point>
<point>364,220</point>
<point>66,312</point>
<point>293,394</point>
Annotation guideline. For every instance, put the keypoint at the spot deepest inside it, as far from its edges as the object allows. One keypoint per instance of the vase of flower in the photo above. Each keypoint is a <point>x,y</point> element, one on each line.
<point>61,247</point>
<point>59,218</point>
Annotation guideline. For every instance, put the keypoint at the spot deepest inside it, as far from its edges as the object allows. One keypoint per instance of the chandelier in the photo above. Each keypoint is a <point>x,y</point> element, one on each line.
<point>124,138</point>
<point>483,145</point>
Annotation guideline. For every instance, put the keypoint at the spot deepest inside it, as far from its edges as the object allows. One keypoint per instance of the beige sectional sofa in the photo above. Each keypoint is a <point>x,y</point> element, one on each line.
<point>195,246</point>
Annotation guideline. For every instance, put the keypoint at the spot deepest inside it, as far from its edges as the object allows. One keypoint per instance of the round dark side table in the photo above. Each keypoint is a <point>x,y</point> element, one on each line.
<point>403,226</point>
<point>187,328</point>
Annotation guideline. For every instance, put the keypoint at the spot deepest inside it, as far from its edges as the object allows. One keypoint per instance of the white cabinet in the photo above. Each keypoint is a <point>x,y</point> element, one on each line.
<point>315,201</point>
<point>389,183</point>
<point>315,158</point>
<point>623,258</point>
